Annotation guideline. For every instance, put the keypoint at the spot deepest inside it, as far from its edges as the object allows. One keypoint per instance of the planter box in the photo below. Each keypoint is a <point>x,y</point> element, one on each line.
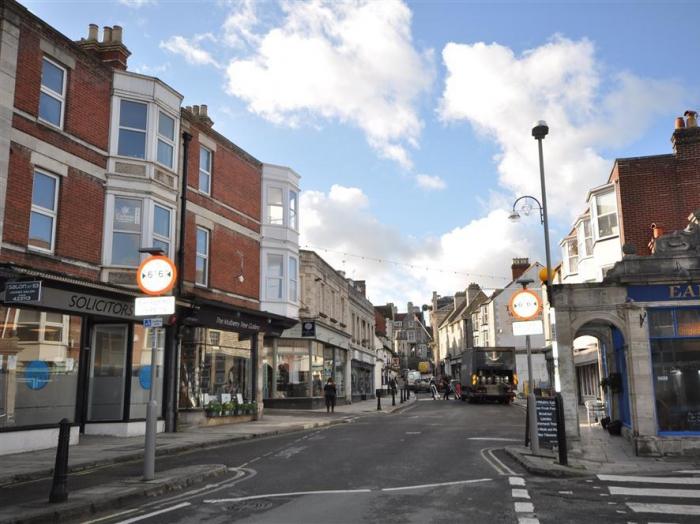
<point>220,421</point>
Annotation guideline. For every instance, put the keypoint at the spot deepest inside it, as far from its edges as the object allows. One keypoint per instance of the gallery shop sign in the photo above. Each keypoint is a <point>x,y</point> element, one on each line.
<point>84,303</point>
<point>664,292</point>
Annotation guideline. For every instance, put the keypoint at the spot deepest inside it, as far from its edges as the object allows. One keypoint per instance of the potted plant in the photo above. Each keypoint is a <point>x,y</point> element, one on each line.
<point>228,408</point>
<point>236,408</point>
<point>613,382</point>
<point>213,409</point>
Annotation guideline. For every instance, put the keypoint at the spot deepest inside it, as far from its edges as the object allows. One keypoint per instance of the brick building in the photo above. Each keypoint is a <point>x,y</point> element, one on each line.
<point>97,162</point>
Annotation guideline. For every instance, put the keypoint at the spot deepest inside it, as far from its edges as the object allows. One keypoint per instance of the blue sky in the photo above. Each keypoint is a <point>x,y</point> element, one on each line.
<point>409,122</point>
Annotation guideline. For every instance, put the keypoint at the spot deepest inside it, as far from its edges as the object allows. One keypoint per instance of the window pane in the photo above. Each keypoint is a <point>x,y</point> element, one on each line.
<point>293,268</point>
<point>125,249</point>
<point>205,159</point>
<point>688,322</point>
<point>53,333</point>
<point>55,318</point>
<point>132,143</point>
<point>676,365</point>
<point>132,114</point>
<point>274,196</point>
<point>201,271</point>
<point>52,77</point>
<point>274,265</point>
<point>275,214</point>
<point>274,288</point>
<point>165,246</point>
<point>127,214</point>
<point>40,230</point>
<point>660,323</point>
<point>607,225</point>
<point>293,290</point>
<point>165,153</point>
<point>202,242</point>
<point>292,202</point>
<point>166,126</point>
<point>161,221</point>
<point>204,182</point>
<point>50,109</point>
<point>605,203</point>
<point>44,191</point>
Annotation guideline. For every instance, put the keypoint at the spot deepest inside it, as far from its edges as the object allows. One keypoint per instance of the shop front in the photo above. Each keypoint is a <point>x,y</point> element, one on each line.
<point>71,349</point>
<point>646,318</point>
<point>362,376</point>
<point>219,356</point>
<point>297,365</point>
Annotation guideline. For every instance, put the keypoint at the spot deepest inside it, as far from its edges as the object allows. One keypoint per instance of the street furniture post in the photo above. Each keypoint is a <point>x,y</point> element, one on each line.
<point>59,486</point>
<point>379,399</point>
<point>561,431</point>
<point>149,457</point>
<point>531,402</point>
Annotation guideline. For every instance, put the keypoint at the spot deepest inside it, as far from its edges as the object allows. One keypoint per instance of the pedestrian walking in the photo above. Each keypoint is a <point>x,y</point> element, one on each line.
<point>330,392</point>
<point>433,388</point>
<point>446,384</point>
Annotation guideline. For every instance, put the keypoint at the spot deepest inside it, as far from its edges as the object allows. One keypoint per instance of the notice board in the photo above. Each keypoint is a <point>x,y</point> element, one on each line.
<point>547,422</point>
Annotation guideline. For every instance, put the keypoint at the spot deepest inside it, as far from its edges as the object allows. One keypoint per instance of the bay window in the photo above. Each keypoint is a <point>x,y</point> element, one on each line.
<point>202,257</point>
<point>606,214</point>
<point>572,255</point>
<point>585,238</point>
<point>161,228</point>
<point>132,129</point>
<point>293,210</point>
<point>166,138</point>
<point>293,270</point>
<point>275,206</point>
<point>42,219</point>
<point>52,94</point>
<point>275,275</point>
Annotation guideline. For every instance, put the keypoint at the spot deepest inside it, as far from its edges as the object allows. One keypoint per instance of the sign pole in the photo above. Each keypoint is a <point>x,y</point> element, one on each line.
<point>531,402</point>
<point>149,456</point>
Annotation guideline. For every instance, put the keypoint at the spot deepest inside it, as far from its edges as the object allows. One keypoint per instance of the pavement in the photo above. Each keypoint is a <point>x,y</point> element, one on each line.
<point>597,453</point>
<point>94,452</point>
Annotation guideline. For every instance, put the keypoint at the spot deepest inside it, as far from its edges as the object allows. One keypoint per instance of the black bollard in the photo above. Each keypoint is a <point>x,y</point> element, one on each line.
<point>401,394</point>
<point>379,400</point>
<point>561,431</point>
<point>59,488</point>
<point>393,397</point>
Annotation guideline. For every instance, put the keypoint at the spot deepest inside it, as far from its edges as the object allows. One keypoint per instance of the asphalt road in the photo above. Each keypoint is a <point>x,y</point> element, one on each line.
<point>437,461</point>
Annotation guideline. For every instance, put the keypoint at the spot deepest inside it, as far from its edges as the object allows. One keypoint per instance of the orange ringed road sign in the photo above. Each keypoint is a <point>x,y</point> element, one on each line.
<point>525,304</point>
<point>156,275</point>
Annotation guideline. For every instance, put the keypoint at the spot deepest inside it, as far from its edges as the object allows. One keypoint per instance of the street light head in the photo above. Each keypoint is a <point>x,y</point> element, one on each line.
<point>540,130</point>
<point>514,216</point>
<point>155,251</point>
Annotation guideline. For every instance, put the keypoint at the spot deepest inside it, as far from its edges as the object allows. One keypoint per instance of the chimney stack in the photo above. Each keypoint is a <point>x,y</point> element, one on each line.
<point>111,50</point>
<point>519,266</point>
<point>686,137</point>
<point>472,291</point>
<point>200,114</point>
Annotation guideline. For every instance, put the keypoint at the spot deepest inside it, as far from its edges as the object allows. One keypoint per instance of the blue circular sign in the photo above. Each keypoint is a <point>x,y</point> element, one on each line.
<point>36,374</point>
<point>145,377</point>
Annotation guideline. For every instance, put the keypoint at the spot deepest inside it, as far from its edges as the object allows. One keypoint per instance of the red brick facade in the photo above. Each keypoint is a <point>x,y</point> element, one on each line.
<point>661,189</point>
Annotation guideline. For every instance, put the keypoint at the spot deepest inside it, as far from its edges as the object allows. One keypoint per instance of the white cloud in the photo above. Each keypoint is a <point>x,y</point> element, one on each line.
<point>341,226</point>
<point>352,62</point>
<point>501,95</point>
<point>137,3</point>
<point>190,49</point>
<point>238,28</point>
<point>430,182</point>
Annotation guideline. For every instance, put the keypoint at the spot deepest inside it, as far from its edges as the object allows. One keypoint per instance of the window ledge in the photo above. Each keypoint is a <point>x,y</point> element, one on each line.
<point>602,239</point>
<point>48,124</point>
<point>39,251</point>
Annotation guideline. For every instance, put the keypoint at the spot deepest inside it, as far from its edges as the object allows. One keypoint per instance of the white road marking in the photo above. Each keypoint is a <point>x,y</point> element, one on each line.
<point>113,515</point>
<point>668,509</point>
<point>527,520</point>
<point>438,484</point>
<point>413,433</point>
<point>496,464</point>
<point>520,494</point>
<point>500,439</point>
<point>154,513</point>
<point>656,492</point>
<point>688,472</point>
<point>524,507</point>
<point>652,480</point>
<point>290,494</point>
<point>516,481</point>
<point>566,492</point>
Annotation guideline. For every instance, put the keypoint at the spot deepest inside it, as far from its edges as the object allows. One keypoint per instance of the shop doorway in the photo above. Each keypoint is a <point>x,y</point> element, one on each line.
<point>107,372</point>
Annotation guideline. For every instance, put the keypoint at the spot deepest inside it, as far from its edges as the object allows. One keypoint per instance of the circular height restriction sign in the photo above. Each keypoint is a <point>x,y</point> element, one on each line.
<point>156,275</point>
<point>525,304</point>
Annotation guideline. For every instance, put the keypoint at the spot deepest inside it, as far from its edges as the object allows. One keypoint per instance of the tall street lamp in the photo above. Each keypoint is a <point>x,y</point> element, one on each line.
<point>540,131</point>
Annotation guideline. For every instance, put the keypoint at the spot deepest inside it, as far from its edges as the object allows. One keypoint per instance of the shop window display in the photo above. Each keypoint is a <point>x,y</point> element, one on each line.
<point>675,349</point>
<point>292,369</point>
<point>141,369</point>
<point>39,356</point>
<point>209,371</point>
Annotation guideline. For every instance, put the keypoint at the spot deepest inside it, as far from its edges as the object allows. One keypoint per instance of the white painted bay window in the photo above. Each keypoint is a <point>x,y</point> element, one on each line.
<point>127,224</point>
<point>52,95</point>
<point>275,276</point>
<point>133,120</point>
<point>202,257</point>
<point>606,214</point>
<point>585,238</point>
<point>572,255</point>
<point>275,206</point>
<point>166,140</point>
<point>42,220</point>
